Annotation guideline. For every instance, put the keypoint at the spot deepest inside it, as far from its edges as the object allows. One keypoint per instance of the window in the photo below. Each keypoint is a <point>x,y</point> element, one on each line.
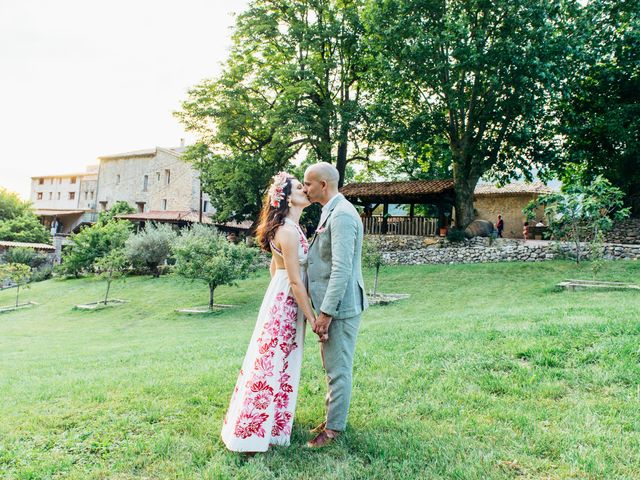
<point>205,204</point>
<point>39,195</point>
<point>157,176</point>
<point>164,203</point>
<point>72,195</point>
<point>73,180</point>
<point>140,206</point>
<point>91,194</point>
<point>58,195</point>
<point>103,206</point>
<point>167,177</point>
<point>50,195</point>
<point>145,183</point>
<point>59,181</point>
<point>51,181</point>
<point>41,181</point>
<point>118,179</point>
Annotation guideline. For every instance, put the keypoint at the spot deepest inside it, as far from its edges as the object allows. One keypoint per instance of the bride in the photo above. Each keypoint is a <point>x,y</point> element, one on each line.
<point>263,402</point>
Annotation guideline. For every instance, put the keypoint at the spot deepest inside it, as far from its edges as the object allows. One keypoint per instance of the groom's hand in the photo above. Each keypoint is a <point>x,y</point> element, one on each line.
<point>322,326</point>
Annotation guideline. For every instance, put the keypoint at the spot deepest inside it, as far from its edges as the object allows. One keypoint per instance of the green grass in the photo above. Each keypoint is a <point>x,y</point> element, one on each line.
<point>485,372</point>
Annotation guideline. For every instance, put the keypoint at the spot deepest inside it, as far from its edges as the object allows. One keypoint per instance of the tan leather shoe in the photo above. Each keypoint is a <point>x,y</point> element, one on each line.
<point>326,437</point>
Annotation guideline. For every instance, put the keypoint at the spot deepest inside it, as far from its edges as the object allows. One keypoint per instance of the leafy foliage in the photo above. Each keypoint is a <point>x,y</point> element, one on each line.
<point>93,242</point>
<point>600,119</point>
<point>111,267</point>
<point>23,228</point>
<point>25,256</point>
<point>17,273</point>
<point>204,254</point>
<point>11,206</point>
<point>119,208</point>
<point>150,247</point>
<point>581,212</point>
<point>290,86</point>
<point>477,77</point>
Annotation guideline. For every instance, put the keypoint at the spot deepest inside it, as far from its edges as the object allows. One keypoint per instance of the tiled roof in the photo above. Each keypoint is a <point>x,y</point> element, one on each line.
<point>399,188</point>
<point>512,188</point>
<point>37,246</point>
<point>167,216</point>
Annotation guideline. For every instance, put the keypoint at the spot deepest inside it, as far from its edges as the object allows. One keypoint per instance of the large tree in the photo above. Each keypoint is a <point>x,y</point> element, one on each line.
<point>290,86</point>
<point>18,222</point>
<point>481,75</point>
<point>600,120</point>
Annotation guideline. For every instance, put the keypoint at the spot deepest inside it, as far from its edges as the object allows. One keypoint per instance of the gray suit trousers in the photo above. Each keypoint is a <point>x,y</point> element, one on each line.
<point>337,359</point>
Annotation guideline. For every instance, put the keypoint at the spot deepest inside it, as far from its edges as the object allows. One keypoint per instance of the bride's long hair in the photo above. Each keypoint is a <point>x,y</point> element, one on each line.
<point>271,216</point>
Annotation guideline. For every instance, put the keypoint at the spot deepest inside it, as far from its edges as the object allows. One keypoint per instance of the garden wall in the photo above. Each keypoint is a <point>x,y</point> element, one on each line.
<point>627,231</point>
<point>404,250</point>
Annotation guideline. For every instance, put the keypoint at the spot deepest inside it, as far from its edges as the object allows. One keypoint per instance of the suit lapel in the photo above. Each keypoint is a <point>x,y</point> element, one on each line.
<point>331,208</point>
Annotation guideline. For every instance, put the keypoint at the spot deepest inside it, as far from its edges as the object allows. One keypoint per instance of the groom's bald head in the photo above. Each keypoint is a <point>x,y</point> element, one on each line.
<point>321,182</point>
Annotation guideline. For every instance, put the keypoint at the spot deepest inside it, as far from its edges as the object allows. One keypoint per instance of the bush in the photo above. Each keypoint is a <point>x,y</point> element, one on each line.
<point>456,234</point>
<point>43,273</point>
<point>25,228</point>
<point>25,256</point>
<point>92,243</point>
<point>151,247</point>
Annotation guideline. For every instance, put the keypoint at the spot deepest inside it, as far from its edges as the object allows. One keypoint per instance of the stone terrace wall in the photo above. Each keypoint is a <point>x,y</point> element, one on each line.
<point>404,250</point>
<point>627,231</point>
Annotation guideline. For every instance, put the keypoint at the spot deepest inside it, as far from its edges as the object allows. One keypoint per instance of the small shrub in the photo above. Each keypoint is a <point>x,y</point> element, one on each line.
<point>25,256</point>
<point>151,247</point>
<point>456,234</point>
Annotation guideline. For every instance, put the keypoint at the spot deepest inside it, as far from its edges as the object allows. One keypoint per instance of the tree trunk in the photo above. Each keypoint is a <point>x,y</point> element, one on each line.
<point>108,288</point>
<point>464,187</point>
<point>211,289</point>
<point>341,161</point>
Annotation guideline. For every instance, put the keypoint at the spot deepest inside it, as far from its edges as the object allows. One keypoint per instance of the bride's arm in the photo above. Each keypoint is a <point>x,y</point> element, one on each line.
<point>289,240</point>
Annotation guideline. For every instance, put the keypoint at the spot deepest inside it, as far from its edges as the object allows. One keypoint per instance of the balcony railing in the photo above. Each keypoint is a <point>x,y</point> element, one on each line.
<point>421,226</point>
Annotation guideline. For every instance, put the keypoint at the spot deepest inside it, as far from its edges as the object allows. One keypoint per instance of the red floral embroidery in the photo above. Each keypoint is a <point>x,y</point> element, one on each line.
<point>249,424</point>
<point>278,334</point>
<point>281,424</point>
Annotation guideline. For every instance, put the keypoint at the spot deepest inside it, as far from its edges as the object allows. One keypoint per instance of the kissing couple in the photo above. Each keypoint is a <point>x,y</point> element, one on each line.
<point>321,282</point>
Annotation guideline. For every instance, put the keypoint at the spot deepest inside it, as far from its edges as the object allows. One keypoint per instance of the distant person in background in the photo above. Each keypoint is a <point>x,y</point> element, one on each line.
<point>525,231</point>
<point>54,226</point>
<point>500,226</point>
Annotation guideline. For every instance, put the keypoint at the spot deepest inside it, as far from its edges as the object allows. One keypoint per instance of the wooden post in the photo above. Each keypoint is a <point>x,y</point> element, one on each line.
<point>385,212</point>
<point>411,210</point>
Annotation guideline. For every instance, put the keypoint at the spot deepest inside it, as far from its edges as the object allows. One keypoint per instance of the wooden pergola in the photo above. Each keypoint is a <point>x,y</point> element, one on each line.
<point>370,195</point>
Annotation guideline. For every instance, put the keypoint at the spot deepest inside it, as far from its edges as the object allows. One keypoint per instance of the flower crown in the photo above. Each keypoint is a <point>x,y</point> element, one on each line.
<point>276,190</point>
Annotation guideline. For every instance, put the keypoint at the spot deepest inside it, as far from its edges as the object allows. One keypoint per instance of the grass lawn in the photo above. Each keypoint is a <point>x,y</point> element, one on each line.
<point>485,372</point>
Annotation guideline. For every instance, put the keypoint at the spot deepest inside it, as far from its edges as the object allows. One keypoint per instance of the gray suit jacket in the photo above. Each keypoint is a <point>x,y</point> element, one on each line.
<point>334,263</point>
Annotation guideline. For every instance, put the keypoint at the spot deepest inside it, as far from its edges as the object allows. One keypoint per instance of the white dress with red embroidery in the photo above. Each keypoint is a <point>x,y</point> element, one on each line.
<point>264,399</point>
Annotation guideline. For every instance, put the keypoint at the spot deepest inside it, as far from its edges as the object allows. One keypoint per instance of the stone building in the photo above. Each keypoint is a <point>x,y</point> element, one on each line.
<point>508,201</point>
<point>66,201</point>
<point>151,181</point>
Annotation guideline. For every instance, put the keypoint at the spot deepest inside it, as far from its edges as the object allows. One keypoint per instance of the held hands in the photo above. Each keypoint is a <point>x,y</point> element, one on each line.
<point>321,326</point>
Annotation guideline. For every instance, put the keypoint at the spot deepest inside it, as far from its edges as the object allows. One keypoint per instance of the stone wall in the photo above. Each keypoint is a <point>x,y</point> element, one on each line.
<point>399,250</point>
<point>627,231</point>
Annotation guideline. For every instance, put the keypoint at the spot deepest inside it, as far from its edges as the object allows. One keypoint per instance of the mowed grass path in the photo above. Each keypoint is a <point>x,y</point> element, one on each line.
<point>485,372</point>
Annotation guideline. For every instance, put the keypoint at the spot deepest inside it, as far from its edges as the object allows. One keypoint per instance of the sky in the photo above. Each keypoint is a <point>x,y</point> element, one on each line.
<point>84,78</point>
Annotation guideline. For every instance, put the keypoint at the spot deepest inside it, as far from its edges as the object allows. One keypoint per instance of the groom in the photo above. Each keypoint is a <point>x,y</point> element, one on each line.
<point>337,293</point>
